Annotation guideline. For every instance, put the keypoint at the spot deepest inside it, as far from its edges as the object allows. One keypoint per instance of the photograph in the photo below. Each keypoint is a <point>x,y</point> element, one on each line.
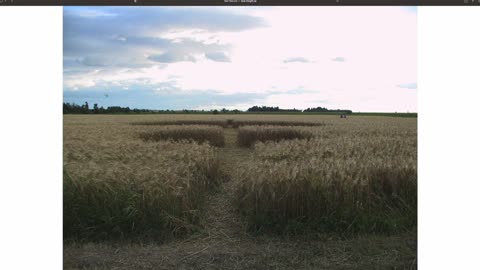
<point>253,137</point>
<point>239,135</point>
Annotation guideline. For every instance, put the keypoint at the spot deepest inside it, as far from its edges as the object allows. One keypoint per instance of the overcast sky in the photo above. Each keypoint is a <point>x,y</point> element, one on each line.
<point>358,58</point>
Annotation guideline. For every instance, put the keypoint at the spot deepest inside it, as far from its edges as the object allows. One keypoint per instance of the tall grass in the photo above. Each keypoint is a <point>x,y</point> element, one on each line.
<point>249,135</point>
<point>345,184</point>
<point>123,188</point>
<point>211,134</point>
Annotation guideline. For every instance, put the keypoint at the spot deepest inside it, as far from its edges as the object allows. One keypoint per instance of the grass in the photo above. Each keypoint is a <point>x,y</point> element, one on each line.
<point>249,135</point>
<point>211,134</point>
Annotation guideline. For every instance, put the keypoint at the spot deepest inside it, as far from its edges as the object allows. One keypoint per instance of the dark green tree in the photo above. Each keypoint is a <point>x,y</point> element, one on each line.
<point>85,108</point>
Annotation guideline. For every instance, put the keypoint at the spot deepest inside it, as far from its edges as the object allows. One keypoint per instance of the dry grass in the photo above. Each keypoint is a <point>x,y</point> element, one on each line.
<point>212,134</point>
<point>228,123</point>
<point>358,181</point>
<point>116,186</point>
<point>182,122</point>
<point>249,135</point>
<point>240,123</point>
<point>269,253</point>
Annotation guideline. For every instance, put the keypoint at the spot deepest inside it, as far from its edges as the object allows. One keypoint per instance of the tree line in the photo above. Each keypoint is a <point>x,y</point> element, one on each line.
<point>277,109</point>
<point>72,108</point>
<point>270,109</point>
<point>321,109</point>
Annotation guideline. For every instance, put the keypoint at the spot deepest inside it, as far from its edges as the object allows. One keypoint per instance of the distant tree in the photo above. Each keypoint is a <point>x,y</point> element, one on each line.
<point>73,108</point>
<point>85,108</point>
<point>67,108</point>
<point>321,109</point>
<point>95,108</point>
<point>215,111</point>
<point>263,109</point>
<point>270,109</point>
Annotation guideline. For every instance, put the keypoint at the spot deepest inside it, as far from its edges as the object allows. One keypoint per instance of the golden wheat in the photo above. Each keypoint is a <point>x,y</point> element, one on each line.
<point>354,180</point>
<point>350,175</point>
<point>182,122</point>
<point>211,134</point>
<point>116,185</point>
<point>249,135</point>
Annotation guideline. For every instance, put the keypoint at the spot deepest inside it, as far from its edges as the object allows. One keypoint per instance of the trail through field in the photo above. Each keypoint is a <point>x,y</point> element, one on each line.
<point>224,243</point>
<point>222,222</point>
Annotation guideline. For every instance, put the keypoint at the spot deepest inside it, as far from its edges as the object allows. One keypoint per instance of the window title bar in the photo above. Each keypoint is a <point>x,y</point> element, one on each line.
<point>239,2</point>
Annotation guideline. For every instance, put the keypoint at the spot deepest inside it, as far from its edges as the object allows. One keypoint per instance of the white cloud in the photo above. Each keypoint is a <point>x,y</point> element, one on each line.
<point>296,59</point>
<point>358,58</point>
<point>95,13</point>
<point>408,85</point>
<point>339,59</point>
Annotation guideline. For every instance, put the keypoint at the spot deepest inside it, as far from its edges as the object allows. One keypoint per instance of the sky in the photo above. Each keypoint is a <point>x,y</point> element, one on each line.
<point>357,58</point>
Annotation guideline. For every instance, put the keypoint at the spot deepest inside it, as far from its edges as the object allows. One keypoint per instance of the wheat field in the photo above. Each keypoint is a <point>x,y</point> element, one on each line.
<point>179,190</point>
<point>347,183</point>
<point>150,175</point>
<point>116,185</point>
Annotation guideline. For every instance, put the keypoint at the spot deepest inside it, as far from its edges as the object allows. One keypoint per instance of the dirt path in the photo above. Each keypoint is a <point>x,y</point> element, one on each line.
<point>223,243</point>
<point>221,220</point>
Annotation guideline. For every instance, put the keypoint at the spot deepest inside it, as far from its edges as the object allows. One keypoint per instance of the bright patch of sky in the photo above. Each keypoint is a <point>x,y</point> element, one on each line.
<point>358,58</point>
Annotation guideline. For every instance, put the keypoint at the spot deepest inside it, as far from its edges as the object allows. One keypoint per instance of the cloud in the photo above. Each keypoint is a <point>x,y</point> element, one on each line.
<point>98,22</point>
<point>408,85</point>
<point>172,57</point>
<point>94,61</point>
<point>339,59</point>
<point>217,56</point>
<point>296,59</point>
<point>95,13</point>
<point>134,51</point>
<point>163,51</point>
<point>140,37</point>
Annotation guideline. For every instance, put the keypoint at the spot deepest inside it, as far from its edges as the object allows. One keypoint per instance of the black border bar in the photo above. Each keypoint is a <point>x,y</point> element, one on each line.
<point>239,3</point>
